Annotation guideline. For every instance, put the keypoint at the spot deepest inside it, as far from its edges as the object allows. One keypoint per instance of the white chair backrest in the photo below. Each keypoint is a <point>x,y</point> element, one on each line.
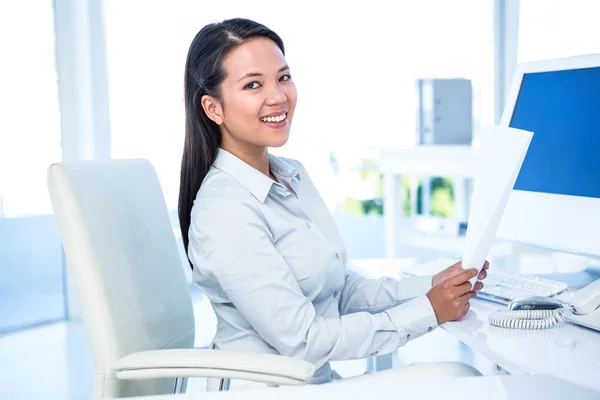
<point>121,251</point>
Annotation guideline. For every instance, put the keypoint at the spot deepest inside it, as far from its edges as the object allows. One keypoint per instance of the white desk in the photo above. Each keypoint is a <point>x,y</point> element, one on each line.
<point>488,388</point>
<point>569,351</point>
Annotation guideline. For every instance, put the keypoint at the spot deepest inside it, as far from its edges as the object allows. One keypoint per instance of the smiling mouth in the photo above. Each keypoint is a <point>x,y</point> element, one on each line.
<point>276,119</point>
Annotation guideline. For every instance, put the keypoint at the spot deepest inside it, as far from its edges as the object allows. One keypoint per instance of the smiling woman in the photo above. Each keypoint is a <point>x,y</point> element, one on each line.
<point>239,96</point>
<point>261,241</point>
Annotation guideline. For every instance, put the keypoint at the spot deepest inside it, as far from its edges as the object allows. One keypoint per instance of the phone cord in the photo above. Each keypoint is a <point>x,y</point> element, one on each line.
<point>527,319</point>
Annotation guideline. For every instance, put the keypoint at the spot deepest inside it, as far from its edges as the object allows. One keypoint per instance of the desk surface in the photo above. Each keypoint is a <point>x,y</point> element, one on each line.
<point>568,351</point>
<point>485,387</point>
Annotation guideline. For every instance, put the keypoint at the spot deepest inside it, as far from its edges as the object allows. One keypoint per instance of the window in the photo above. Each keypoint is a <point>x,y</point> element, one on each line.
<point>31,272</point>
<point>557,29</point>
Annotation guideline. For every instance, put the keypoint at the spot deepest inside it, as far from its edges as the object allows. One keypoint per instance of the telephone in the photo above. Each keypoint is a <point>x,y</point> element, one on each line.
<point>546,312</point>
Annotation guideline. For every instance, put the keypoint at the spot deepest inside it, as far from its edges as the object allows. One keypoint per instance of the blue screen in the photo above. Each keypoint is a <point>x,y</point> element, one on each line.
<point>562,109</point>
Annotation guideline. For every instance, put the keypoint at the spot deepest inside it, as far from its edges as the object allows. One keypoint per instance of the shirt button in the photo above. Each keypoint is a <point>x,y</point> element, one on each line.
<point>408,336</point>
<point>429,329</point>
<point>337,255</point>
<point>335,294</point>
<point>308,225</point>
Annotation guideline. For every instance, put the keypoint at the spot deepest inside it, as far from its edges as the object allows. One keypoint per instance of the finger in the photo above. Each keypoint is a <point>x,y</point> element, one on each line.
<point>482,275</point>
<point>462,311</point>
<point>454,269</point>
<point>486,265</point>
<point>463,276</point>
<point>478,286</point>
<point>468,296</point>
<point>463,288</point>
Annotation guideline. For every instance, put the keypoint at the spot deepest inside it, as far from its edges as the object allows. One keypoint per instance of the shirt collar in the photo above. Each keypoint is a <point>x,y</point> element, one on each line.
<point>253,180</point>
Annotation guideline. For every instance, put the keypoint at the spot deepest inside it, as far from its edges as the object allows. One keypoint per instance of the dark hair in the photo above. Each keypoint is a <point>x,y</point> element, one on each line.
<point>203,76</point>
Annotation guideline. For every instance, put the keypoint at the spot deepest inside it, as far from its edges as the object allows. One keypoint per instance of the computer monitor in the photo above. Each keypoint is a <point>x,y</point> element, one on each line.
<point>555,203</point>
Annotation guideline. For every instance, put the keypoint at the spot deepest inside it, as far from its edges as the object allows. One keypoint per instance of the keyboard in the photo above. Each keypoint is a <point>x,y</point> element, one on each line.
<point>502,287</point>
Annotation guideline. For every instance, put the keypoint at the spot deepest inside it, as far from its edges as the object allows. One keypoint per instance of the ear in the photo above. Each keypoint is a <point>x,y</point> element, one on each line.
<point>212,108</point>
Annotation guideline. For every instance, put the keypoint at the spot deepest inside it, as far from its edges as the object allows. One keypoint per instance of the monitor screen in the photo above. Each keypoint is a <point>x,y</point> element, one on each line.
<point>562,108</point>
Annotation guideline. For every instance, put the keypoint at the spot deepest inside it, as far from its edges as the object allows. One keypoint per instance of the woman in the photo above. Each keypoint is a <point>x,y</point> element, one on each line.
<point>262,244</point>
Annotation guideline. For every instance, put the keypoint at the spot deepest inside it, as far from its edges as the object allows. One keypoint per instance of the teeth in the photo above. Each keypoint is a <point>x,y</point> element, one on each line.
<point>274,119</point>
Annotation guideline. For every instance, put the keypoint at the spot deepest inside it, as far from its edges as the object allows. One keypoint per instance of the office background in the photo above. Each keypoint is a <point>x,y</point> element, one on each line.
<point>94,79</point>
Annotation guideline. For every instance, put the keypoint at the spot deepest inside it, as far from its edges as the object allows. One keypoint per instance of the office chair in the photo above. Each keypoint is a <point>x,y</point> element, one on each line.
<point>121,251</point>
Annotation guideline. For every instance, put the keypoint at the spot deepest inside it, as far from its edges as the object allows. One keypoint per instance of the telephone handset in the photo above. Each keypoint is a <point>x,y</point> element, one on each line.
<point>545,312</point>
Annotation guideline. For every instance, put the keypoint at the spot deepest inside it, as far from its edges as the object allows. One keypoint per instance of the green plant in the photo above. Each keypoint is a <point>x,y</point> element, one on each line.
<point>442,197</point>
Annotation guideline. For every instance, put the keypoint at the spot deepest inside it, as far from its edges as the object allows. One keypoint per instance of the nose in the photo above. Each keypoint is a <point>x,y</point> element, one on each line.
<point>276,96</point>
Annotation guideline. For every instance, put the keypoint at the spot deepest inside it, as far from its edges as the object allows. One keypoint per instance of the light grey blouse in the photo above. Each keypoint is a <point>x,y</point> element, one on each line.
<point>273,265</point>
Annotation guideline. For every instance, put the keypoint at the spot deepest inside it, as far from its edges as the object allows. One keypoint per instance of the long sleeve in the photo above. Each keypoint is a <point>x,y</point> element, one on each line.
<point>361,294</point>
<point>258,282</point>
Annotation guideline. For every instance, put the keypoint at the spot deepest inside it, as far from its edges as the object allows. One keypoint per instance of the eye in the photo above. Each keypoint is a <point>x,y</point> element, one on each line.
<point>252,85</point>
<point>286,77</point>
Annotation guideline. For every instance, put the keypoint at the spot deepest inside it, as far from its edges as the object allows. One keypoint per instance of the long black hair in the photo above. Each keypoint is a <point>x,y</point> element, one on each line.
<point>203,76</point>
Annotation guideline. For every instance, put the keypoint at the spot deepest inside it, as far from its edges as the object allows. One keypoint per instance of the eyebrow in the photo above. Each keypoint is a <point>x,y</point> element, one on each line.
<point>251,74</point>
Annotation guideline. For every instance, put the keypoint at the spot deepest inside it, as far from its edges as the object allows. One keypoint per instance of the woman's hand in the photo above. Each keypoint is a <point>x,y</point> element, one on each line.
<point>456,269</point>
<point>450,297</point>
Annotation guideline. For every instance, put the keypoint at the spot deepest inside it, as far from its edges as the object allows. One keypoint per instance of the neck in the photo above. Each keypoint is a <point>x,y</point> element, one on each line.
<point>256,157</point>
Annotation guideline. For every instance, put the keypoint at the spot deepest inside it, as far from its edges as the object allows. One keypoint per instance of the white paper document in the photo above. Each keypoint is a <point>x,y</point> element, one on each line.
<point>501,155</point>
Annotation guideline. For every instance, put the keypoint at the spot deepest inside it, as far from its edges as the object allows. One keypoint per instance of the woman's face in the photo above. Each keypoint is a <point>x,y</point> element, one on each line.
<point>258,96</point>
